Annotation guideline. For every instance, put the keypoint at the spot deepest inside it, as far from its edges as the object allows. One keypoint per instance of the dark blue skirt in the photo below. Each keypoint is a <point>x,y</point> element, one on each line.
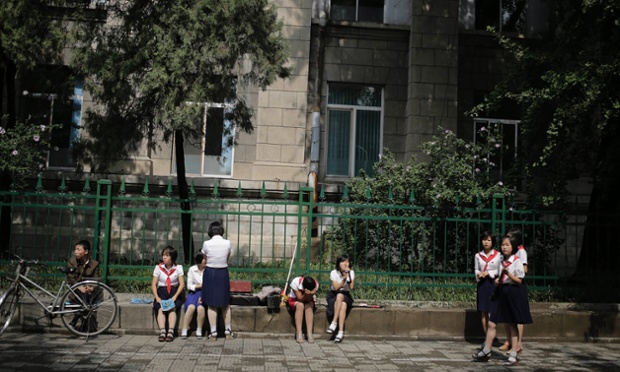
<point>162,292</point>
<point>485,289</point>
<point>331,300</point>
<point>215,287</point>
<point>510,307</point>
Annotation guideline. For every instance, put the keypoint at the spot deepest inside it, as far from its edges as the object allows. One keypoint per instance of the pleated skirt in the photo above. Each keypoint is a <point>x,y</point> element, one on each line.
<point>511,306</point>
<point>215,287</point>
<point>484,290</point>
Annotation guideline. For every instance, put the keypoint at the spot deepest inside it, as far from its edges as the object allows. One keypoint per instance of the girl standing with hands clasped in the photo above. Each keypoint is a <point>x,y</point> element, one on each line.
<point>509,308</point>
<point>193,301</point>
<point>486,269</point>
<point>339,300</point>
<point>215,279</point>
<point>522,254</point>
<point>167,284</point>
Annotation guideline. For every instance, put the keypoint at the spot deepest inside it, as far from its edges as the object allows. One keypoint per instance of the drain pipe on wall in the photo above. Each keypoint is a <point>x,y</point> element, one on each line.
<point>316,106</point>
<point>316,116</point>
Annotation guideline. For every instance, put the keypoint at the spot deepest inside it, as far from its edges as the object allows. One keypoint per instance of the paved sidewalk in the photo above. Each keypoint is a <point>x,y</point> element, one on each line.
<point>57,352</point>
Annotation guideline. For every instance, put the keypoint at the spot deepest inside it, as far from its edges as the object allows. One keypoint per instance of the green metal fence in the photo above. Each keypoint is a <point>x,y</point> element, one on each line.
<point>406,246</point>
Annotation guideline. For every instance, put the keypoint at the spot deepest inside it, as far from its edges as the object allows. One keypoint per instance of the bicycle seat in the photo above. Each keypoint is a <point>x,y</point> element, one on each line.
<point>66,270</point>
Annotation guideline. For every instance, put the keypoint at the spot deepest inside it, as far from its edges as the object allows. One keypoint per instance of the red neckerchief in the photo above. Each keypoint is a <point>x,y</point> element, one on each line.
<point>162,267</point>
<point>486,260</point>
<point>507,263</point>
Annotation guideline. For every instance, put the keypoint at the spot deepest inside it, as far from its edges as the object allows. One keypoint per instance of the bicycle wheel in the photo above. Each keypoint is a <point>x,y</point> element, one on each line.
<point>88,308</point>
<point>8,304</point>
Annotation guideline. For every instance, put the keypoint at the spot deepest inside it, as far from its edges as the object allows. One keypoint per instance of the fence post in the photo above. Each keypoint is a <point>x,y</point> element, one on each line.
<point>103,205</point>
<point>307,215</point>
<point>494,211</point>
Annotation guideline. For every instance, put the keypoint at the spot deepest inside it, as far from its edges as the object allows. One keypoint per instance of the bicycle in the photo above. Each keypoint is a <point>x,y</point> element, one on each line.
<point>86,308</point>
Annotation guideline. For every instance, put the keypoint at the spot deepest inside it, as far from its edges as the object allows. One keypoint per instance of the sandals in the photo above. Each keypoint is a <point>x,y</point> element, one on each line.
<point>170,336</point>
<point>310,338</point>
<point>332,328</point>
<point>300,338</point>
<point>339,337</point>
<point>229,334</point>
<point>512,361</point>
<point>162,335</point>
<point>505,347</point>
<point>212,336</point>
<point>481,356</point>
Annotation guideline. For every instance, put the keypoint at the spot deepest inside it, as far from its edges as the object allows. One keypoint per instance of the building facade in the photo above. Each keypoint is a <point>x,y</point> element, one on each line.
<point>367,75</point>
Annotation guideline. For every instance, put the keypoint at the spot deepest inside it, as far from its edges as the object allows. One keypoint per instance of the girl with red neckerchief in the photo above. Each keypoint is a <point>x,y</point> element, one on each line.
<point>509,307</point>
<point>486,266</point>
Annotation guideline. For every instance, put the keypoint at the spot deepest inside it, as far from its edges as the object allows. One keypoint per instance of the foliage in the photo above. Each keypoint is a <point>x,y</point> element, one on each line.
<point>151,59</point>
<point>566,85</point>
<point>23,150</point>
<point>28,33</point>
<point>412,236</point>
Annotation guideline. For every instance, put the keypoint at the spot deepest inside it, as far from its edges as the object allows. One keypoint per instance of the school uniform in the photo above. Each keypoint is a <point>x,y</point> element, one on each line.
<point>297,284</point>
<point>345,290</point>
<point>194,278</point>
<point>215,278</point>
<point>486,286</point>
<point>167,284</point>
<point>522,254</point>
<point>510,306</point>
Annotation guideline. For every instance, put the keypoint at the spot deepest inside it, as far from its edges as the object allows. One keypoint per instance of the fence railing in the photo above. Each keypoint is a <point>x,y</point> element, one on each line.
<point>390,245</point>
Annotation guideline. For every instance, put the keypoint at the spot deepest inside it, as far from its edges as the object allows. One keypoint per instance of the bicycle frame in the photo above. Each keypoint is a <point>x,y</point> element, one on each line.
<point>49,310</point>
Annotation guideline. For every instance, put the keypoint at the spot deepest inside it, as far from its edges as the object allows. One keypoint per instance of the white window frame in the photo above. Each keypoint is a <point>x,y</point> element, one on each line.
<point>52,98</point>
<point>206,106</point>
<point>490,121</point>
<point>352,145</point>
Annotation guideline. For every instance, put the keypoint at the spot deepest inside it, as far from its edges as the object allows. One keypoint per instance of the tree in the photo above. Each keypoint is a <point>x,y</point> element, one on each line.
<point>567,86</point>
<point>32,32</point>
<point>456,178</point>
<point>153,59</point>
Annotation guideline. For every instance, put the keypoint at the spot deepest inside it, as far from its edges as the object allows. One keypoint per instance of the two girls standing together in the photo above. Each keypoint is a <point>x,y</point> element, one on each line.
<point>209,272</point>
<point>502,293</point>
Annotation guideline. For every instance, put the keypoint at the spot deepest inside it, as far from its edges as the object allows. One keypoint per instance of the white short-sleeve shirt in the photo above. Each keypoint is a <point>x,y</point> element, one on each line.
<point>336,275</point>
<point>515,267</point>
<point>296,284</point>
<point>489,263</point>
<point>217,250</point>
<point>175,272</point>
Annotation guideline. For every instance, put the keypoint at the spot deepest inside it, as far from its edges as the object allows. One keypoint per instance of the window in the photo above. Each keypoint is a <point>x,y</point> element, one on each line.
<point>354,129</point>
<point>52,96</point>
<point>504,15</point>
<point>357,10</point>
<point>505,159</point>
<point>210,151</point>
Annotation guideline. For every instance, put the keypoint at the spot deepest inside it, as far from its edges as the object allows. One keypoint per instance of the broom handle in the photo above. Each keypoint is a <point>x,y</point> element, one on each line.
<point>290,268</point>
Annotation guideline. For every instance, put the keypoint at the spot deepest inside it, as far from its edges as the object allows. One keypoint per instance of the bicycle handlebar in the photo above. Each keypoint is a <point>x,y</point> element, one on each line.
<point>25,262</point>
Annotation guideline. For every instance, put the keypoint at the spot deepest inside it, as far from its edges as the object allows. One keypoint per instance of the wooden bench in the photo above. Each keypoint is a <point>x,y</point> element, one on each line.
<point>241,287</point>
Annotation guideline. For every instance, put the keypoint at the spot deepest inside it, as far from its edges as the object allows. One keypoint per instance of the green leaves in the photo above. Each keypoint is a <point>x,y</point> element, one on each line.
<point>152,58</point>
<point>23,149</point>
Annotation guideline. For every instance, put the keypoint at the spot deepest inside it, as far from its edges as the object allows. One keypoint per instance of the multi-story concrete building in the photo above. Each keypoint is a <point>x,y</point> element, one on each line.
<point>366,75</point>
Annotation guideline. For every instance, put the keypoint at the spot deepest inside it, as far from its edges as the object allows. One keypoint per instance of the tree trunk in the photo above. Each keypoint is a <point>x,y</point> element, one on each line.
<point>599,257</point>
<point>186,217</point>
<point>8,81</point>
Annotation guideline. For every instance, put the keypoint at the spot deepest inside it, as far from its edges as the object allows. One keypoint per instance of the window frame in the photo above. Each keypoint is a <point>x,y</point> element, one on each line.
<point>352,169</point>
<point>52,97</point>
<point>357,11</point>
<point>205,108</point>
<point>490,121</point>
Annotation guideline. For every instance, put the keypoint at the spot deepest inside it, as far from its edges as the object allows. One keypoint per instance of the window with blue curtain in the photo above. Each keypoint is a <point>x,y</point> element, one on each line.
<point>354,129</point>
